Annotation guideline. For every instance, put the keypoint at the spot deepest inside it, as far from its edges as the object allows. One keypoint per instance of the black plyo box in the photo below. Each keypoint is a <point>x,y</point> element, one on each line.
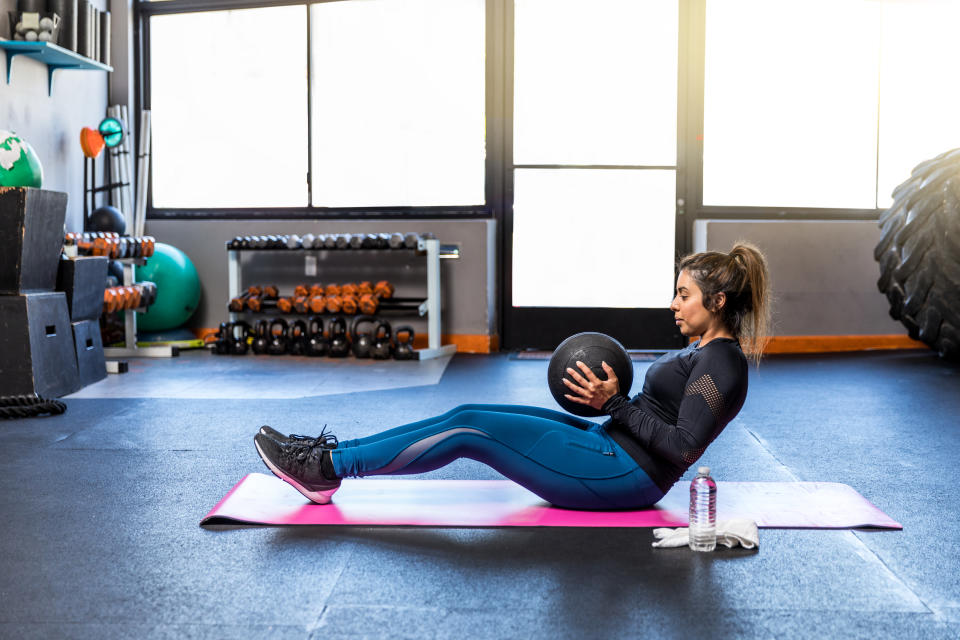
<point>37,353</point>
<point>31,237</point>
<point>91,365</point>
<point>83,279</point>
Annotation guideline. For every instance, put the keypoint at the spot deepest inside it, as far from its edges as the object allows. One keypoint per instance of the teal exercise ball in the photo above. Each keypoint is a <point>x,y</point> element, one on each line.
<point>178,288</point>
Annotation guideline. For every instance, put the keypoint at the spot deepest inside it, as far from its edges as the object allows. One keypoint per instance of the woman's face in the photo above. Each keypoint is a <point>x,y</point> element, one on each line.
<point>691,316</point>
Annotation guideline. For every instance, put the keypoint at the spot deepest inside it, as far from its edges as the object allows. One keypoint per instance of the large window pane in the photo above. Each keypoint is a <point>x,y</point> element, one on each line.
<point>398,103</point>
<point>595,82</point>
<point>790,103</point>
<point>919,92</point>
<point>228,100</point>
<point>593,238</point>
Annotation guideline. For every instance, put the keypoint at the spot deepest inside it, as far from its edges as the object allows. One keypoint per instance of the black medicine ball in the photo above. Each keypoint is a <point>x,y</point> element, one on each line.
<point>107,218</point>
<point>590,348</point>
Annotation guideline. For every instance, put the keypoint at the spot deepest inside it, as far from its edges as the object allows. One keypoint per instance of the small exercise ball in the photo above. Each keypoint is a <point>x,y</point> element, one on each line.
<point>591,348</point>
<point>178,288</point>
<point>19,164</point>
<point>107,218</point>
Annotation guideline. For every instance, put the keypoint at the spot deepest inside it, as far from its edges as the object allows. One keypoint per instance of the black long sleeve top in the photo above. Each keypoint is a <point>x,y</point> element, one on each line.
<point>688,397</point>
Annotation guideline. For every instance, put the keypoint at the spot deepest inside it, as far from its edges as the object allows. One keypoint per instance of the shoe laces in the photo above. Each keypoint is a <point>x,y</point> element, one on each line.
<point>307,445</point>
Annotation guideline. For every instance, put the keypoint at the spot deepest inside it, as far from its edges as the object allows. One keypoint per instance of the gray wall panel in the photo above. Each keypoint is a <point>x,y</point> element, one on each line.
<point>823,273</point>
<point>466,283</point>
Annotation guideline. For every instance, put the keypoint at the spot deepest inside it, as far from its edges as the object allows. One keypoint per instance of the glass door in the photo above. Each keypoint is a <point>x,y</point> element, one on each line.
<point>591,238</point>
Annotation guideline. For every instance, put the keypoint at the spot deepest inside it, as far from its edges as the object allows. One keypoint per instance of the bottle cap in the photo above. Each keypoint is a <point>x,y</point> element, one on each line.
<point>703,470</point>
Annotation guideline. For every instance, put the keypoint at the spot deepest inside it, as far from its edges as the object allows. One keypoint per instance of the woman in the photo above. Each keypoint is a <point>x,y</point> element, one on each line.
<point>630,461</point>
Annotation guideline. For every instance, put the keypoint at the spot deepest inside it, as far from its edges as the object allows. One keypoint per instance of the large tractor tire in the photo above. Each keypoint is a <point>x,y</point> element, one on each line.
<point>919,254</point>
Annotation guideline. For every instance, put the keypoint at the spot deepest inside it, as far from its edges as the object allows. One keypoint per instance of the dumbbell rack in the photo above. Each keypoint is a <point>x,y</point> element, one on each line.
<point>433,251</point>
<point>130,348</point>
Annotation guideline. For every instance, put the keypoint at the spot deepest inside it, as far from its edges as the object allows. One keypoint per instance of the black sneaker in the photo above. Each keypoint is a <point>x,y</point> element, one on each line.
<point>299,465</point>
<point>328,439</point>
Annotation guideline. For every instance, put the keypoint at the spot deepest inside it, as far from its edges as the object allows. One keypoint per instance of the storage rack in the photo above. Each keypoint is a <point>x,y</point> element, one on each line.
<point>130,348</point>
<point>430,307</point>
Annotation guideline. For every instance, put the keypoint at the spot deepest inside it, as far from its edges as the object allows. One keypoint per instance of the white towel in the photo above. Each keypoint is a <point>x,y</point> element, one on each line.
<point>730,533</point>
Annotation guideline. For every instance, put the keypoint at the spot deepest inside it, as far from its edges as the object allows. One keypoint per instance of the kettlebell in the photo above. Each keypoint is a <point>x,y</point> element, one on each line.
<point>261,338</point>
<point>362,342</point>
<point>404,349</point>
<point>297,338</point>
<point>382,341</point>
<point>239,331</point>
<point>317,344</point>
<point>222,344</point>
<point>278,337</point>
<point>339,345</point>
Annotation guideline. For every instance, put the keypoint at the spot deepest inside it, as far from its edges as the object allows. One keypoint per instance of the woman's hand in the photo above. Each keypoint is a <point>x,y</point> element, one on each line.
<point>590,389</point>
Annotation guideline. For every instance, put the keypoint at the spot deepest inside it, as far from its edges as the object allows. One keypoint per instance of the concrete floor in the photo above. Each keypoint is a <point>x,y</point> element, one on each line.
<point>100,507</point>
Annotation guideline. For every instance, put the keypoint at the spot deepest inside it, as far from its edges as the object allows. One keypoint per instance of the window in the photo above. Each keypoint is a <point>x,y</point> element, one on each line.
<point>229,108</point>
<point>397,105</point>
<point>824,103</point>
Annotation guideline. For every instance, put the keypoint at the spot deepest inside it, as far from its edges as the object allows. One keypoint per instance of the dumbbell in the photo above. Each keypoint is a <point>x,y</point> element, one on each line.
<point>349,289</point>
<point>307,241</point>
<point>285,305</point>
<point>350,304</point>
<point>364,288</point>
<point>316,289</point>
<point>330,241</point>
<point>332,290</point>
<point>396,241</point>
<point>269,294</point>
<point>383,241</point>
<point>317,304</point>
<point>356,240</point>
<point>383,290</point>
<point>293,241</point>
<point>237,304</point>
<point>368,304</point>
<point>410,240</point>
<point>343,241</point>
<point>334,303</point>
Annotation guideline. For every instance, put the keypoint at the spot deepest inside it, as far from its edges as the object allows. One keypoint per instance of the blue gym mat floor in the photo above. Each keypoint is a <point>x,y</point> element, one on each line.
<point>101,509</point>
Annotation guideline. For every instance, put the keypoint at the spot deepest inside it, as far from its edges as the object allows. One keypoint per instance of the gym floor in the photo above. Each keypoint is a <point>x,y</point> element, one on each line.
<point>101,510</point>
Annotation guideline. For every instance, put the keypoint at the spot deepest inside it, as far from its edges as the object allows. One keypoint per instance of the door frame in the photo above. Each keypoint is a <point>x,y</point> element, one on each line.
<point>546,327</point>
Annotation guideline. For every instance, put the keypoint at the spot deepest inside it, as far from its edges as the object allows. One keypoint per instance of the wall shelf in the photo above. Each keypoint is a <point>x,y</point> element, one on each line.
<point>54,56</point>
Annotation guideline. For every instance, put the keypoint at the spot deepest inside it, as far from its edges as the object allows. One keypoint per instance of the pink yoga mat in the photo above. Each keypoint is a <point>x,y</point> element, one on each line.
<point>263,499</point>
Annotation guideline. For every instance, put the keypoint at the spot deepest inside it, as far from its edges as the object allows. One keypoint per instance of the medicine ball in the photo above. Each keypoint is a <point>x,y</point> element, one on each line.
<point>107,218</point>
<point>590,348</point>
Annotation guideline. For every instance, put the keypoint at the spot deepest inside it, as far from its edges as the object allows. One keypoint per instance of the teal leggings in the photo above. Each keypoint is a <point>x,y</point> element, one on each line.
<point>568,461</point>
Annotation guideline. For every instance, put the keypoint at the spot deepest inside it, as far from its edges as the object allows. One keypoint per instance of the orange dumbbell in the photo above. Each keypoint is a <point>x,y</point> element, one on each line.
<point>317,304</point>
<point>383,289</point>
<point>350,304</point>
<point>369,304</point>
<point>334,303</point>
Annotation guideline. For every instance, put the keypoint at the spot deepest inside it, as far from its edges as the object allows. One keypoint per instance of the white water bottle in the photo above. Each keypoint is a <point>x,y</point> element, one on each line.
<point>703,511</point>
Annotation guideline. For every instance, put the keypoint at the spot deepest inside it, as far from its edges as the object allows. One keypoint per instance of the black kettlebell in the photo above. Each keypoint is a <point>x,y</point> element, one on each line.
<point>261,339</point>
<point>317,344</point>
<point>297,338</point>
<point>362,341</point>
<point>239,331</point>
<point>278,337</point>
<point>222,344</point>
<point>404,348</point>
<point>382,341</point>
<point>339,345</point>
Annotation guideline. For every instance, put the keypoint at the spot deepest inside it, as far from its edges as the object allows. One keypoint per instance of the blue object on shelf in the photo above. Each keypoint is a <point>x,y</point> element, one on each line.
<point>54,56</point>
